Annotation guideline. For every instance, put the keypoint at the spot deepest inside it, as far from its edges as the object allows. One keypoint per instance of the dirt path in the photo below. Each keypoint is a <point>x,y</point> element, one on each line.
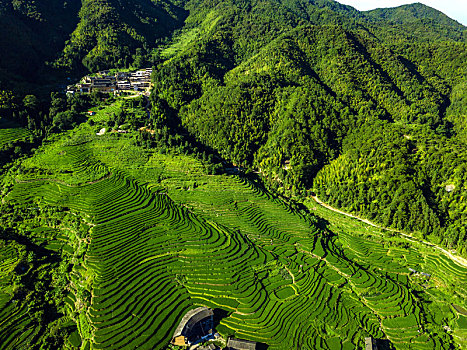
<point>458,259</point>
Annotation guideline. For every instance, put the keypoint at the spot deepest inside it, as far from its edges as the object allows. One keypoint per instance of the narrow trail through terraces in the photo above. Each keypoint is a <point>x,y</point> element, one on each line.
<point>458,259</point>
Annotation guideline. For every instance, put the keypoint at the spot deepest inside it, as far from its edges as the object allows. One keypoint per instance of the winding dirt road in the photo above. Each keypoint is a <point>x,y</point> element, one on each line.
<point>458,259</point>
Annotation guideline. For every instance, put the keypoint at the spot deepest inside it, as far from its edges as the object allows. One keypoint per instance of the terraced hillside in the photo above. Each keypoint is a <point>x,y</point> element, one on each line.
<point>11,133</point>
<point>15,325</point>
<point>163,237</point>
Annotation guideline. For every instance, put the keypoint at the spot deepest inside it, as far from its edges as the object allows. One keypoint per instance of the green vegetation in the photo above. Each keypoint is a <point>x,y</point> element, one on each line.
<point>403,178</point>
<point>43,42</point>
<point>110,33</point>
<point>114,225</point>
<point>323,105</point>
<point>11,133</point>
<point>150,234</point>
<point>33,33</point>
<point>417,16</point>
<point>39,248</point>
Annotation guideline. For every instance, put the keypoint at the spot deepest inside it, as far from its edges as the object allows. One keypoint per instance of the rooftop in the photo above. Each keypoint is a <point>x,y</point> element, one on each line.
<point>241,344</point>
<point>191,318</point>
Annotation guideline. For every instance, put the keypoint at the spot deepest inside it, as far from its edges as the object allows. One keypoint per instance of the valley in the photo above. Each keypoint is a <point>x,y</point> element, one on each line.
<point>234,174</point>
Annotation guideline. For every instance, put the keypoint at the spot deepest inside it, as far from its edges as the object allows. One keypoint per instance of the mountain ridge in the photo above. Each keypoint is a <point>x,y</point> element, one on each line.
<point>414,12</point>
<point>101,34</point>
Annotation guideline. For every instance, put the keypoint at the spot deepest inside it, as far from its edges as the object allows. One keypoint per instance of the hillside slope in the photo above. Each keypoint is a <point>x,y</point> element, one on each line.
<point>101,34</point>
<point>110,31</point>
<point>31,34</point>
<point>283,83</point>
<point>284,104</point>
<point>114,225</point>
<point>142,234</point>
<point>75,36</point>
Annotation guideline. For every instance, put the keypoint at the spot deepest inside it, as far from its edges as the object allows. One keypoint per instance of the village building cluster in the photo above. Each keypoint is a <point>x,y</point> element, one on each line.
<point>104,81</point>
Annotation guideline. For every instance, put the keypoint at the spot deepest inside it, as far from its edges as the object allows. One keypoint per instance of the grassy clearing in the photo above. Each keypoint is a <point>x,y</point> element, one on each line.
<point>103,114</point>
<point>189,36</point>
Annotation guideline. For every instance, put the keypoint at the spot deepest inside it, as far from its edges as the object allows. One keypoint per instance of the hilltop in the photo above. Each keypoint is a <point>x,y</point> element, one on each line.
<point>416,12</point>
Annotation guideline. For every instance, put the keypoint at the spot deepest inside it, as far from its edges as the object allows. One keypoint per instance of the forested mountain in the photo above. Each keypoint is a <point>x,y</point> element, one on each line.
<point>111,32</point>
<point>32,33</point>
<point>417,12</point>
<point>280,86</point>
<point>99,34</point>
<point>41,40</point>
<point>116,209</point>
<point>284,94</point>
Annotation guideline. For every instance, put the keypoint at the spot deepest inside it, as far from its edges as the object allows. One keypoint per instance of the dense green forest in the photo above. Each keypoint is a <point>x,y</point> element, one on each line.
<point>118,33</point>
<point>313,86</point>
<point>256,106</point>
<point>32,33</point>
<point>280,87</point>
<point>43,42</point>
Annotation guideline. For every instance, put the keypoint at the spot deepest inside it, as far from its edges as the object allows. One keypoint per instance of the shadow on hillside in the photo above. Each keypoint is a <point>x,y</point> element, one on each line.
<point>384,344</point>
<point>323,224</point>
<point>219,314</point>
<point>296,206</point>
<point>261,346</point>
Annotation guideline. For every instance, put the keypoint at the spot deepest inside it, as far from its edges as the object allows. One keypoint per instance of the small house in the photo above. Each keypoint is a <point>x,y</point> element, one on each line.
<point>84,88</point>
<point>208,347</point>
<point>450,187</point>
<point>179,340</point>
